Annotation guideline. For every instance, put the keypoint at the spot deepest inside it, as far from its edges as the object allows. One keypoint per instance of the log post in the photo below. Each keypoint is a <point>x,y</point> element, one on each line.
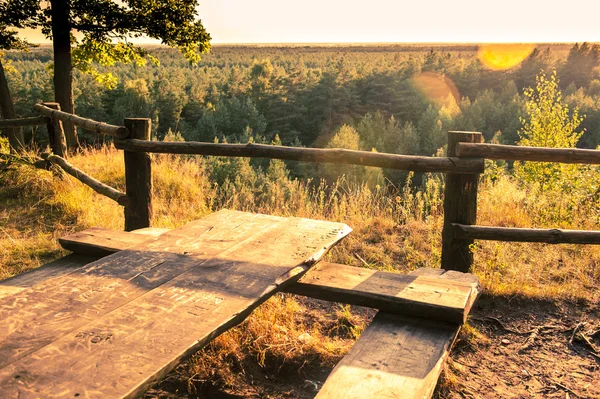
<point>138,178</point>
<point>460,206</point>
<point>56,134</point>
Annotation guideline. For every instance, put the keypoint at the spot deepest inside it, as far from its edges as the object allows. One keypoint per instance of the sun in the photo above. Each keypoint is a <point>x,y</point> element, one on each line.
<point>503,56</point>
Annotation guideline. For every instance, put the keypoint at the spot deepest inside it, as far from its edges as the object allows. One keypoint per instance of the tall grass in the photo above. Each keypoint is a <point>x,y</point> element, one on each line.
<point>394,228</point>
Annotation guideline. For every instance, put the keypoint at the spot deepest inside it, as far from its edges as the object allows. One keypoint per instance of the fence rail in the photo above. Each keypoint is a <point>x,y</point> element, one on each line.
<point>120,132</point>
<point>88,180</point>
<point>548,236</point>
<point>518,153</point>
<point>20,122</point>
<point>317,155</point>
<point>465,161</point>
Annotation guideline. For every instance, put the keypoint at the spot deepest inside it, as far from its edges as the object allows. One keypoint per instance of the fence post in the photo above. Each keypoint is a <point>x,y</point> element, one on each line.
<point>460,206</point>
<point>56,134</point>
<point>138,177</point>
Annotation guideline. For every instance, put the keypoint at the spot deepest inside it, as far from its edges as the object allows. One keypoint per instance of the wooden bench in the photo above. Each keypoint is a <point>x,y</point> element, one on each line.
<point>104,327</point>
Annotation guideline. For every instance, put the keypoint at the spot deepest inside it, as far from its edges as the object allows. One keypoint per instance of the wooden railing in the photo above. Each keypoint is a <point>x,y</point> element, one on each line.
<point>464,164</point>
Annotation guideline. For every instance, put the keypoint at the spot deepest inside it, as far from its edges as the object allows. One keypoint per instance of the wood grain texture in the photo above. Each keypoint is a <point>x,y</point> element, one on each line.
<point>426,297</point>
<point>43,273</point>
<point>460,206</point>
<point>98,241</point>
<point>114,326</point>
<point>409,295</point>
<point>395,357</point>
<point>138,178</point>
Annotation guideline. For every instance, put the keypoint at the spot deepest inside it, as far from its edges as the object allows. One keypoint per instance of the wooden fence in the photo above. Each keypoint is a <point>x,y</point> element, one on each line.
<point>462,166</point>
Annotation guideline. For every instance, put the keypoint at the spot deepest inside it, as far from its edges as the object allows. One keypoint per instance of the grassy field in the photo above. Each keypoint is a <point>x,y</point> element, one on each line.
<point>287,347</point>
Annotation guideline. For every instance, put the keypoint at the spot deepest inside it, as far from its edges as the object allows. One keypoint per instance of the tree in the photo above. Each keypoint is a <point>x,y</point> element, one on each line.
<point>9,40</point>
<point>15,135</point>
<point>579,67</point>
<point>347,137</point>
<point>106,26</point>
<point>548,123</point>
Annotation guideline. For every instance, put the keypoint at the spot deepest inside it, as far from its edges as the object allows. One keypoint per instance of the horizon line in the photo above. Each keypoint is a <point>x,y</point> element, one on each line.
<point>360,43</point>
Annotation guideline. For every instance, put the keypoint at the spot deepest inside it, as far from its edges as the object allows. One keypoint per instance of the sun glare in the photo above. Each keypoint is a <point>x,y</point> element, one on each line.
<point>503,56</point>
<point>437,88</point>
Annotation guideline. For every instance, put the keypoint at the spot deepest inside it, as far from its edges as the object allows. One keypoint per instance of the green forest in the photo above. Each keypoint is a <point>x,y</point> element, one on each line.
<point>397,98</point>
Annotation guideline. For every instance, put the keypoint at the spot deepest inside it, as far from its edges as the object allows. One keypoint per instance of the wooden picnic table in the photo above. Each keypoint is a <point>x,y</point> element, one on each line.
<point>127,307</point>
<point>112,327</point>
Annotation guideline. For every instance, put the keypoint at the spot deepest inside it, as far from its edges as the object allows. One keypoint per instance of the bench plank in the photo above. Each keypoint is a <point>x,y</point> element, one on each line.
<point>427,297</point>
<point>396,356</point>
<point>117,347</point>
<point>98,241</point>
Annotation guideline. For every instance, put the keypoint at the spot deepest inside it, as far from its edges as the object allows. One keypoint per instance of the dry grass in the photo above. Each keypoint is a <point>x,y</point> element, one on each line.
<point>399,231</point>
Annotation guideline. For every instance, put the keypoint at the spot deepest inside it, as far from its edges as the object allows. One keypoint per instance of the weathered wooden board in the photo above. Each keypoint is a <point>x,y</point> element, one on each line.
<point>48,271</point>
<point>98,241</point>
<point>113,326</point>
<point>408,295</point>
<point>85,245</point>
<point>395,357</point>
<point>59,306</point>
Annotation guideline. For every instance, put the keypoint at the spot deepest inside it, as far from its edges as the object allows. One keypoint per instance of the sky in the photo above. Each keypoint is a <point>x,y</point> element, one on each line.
<point>387,21</point>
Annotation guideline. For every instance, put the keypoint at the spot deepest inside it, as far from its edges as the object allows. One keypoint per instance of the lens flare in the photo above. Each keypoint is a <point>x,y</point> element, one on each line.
<point>437,88</point>
<point>503,56</point>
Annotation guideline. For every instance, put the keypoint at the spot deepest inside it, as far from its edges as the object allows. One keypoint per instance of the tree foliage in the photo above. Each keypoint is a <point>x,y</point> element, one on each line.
<point>548,123</point>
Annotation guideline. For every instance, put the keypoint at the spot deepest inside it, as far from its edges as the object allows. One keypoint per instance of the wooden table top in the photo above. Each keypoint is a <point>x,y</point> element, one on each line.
<point>114,326</point>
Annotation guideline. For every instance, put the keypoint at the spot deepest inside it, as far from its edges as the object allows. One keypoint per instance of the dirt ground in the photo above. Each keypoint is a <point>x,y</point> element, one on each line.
<point>524,348</point>
<point>511,348</point>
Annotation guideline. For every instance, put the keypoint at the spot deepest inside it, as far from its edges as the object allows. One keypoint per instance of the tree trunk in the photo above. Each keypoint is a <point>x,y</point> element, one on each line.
<point>15,135</point>
<point>63,67</point>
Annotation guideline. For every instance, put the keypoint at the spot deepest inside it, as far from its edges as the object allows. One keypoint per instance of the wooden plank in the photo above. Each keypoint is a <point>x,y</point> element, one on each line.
<point>409,295</point>
<point>98,241</point>
<point>119,349</point>
<point>43,273</point>
<point>107,284</point>
<point>395,357</point>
